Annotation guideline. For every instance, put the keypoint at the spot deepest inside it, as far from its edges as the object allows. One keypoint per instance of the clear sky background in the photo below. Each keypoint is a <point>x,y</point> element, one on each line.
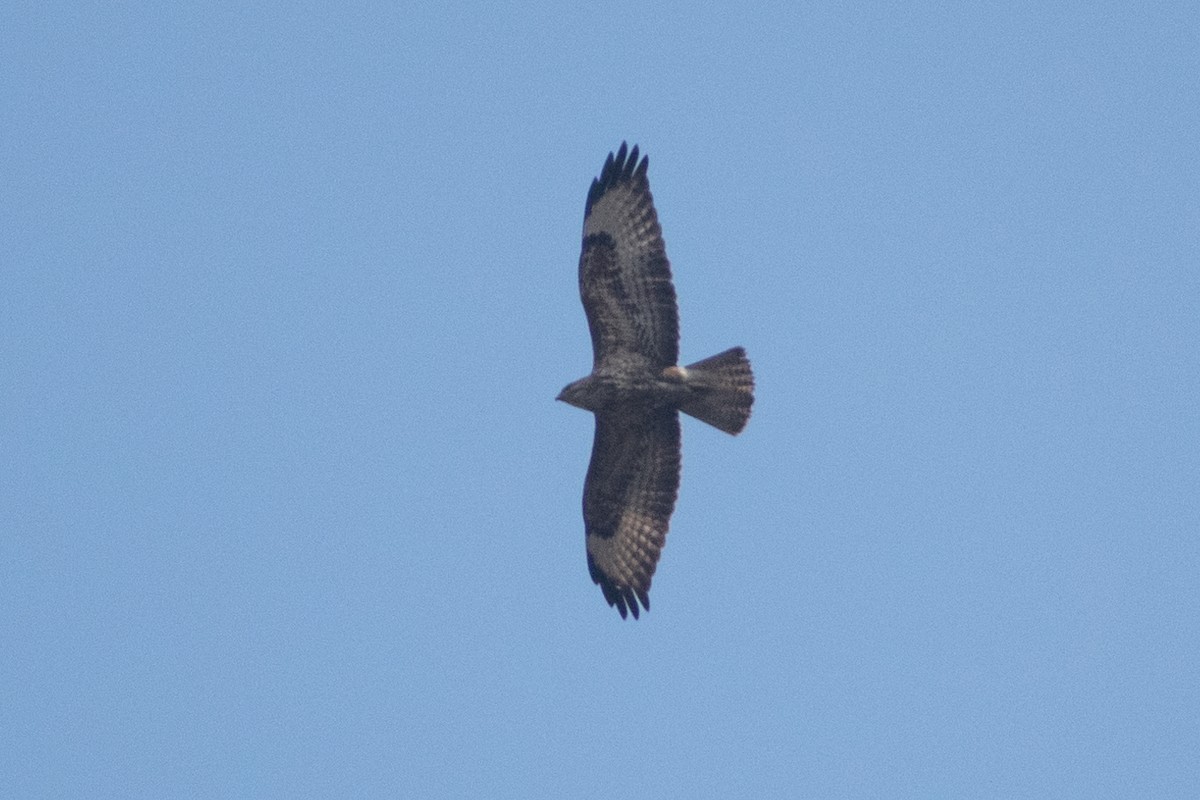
<point>287,506</point>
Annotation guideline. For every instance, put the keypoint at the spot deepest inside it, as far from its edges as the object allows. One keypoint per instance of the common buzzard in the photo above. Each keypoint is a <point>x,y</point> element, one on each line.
<point>636,389</point>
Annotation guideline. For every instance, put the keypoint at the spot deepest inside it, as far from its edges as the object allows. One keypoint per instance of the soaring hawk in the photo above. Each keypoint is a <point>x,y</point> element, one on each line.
<point>636,389</point>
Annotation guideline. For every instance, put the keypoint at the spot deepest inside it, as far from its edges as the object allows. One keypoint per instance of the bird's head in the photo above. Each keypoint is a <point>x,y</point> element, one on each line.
<point>578,394</point>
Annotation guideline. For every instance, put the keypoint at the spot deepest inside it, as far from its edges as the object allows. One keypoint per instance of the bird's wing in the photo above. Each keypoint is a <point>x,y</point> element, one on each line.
<point>624,275</point>
<point>628,497</point>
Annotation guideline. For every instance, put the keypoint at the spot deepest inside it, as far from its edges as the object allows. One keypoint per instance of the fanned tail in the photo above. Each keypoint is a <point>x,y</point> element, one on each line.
<point>721,390</point>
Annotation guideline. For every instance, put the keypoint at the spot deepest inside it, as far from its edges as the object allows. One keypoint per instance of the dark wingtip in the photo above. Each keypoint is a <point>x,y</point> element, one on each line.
<point>624,599</point>
<point>621,167</point>
<point>620,604</point>
<point>628,598</point>
<point>645,598</point>
<point>639,174</point>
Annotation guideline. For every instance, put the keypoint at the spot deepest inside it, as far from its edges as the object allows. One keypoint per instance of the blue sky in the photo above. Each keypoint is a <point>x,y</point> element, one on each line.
<point>287,507</point>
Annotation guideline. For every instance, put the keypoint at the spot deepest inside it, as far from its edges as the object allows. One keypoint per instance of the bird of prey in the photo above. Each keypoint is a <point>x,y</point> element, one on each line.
<point>636,389</point>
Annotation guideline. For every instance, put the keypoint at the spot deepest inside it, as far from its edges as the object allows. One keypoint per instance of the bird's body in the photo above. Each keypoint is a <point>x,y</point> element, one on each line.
<point>633,383</point>
<point>636,388</point>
